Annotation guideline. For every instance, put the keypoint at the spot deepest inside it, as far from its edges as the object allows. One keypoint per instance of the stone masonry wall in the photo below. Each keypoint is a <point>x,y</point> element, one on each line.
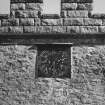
<point>18,82</point>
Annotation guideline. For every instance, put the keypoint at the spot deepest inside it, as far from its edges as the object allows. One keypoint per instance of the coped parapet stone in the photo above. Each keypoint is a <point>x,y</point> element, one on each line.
<point>26,1</point>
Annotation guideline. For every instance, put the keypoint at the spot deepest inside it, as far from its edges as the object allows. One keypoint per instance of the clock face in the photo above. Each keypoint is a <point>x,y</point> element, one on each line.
<point>53,61</point>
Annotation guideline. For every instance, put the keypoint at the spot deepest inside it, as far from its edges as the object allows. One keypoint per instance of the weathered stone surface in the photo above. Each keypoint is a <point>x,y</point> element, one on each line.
<point>19,84</point>
<point>44,29</point>
<point>51,22</point>
<point>91,59</point>
<point>102,29</point>
<point>29,29</point>
<point>89,29</point>
<point>10,22</point>
<point>37,22</point>
<point>84,6</point>
<point>64,13</point>
<point>18,71</point>
<point>0,22</point>
<point>16,29</point>
<point>4,29</point>
<point>77,14</point>
<point>17,6</point>
<point>88,69</point>
<point>12,13</point>
<point>103,21</point>
<point>34,6</point>
<point>93,22</point>
<point>26,14</point>
<point>73,29</point>
<point>73,21</point>
<point>27,21</point>
<point>69,6</point>
<point>38,29</point>
<point>59,29</point>
<point>56,88</point>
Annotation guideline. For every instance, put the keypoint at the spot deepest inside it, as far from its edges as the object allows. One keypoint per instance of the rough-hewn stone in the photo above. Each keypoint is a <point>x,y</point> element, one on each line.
<point>16,29</point>
<point>73,29</point>
<point>64,13</point>
<point>59,29</point>
<point>44,29</point>
<point>52,22</point>
<point>77,14</point>
<point>34,6</point>
<point>93,22</point>
<point>17,6</point>
<point>29,29</point>
<point>12,13</point>
<point>84,6</point>
<point>0,22</point>
<point>19,82</point>
<point>18,72</point>
<point>89,29</point>
<point>88,65</point>
<point>73,21</point>
<point>102,29</point>
<point>26,14</point>
<point>10,22</point>
<point>27,21</point>
<point>38,29</point>
<point>103,21</point>
<point>4,29</point>
<point>37,22</point>
<point>69,6</point>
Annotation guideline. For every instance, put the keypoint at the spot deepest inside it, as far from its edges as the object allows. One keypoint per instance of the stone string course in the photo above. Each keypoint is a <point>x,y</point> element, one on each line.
<point>18,82</point>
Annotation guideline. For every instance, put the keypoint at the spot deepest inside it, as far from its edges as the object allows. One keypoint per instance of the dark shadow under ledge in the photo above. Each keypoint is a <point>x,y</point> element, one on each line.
<point>49,16</point>
<point>32,38</point>
<point>4,16</point>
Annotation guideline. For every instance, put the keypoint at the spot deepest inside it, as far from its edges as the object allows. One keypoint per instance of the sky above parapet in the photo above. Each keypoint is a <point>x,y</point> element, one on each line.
<point>4,6</point>
<point>99,6</point>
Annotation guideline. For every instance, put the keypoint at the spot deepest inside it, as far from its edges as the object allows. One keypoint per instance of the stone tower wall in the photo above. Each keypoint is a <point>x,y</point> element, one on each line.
<point>19,84</point>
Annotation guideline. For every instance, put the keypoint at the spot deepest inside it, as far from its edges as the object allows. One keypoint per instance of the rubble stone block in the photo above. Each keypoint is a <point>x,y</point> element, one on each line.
<point>93,22</point>
<point>76,14</point>
<point>73,21</point>
<point>34,6</point>
<point>51,22</point>
<point>89,29</point>
<point>17,6</point>
<point>27,21</point>
<point>26,14</point>
<point>29,29</point>
<point>10,22</point>
<point>16,29</point>
<point>69,6</point>
<point>84,6</point>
